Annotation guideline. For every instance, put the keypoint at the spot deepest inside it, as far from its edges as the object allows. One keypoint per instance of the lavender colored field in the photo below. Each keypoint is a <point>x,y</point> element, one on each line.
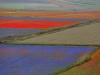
<point>45,19</point>
<point>38,60</point>
<point>16,31</point>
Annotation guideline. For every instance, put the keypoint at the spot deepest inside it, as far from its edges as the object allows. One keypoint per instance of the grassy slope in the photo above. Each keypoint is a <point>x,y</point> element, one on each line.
<point>84,35</point>
<point>92,67</point>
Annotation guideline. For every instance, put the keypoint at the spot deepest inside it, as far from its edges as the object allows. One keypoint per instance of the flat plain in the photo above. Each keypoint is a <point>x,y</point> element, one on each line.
<point>68,45</point>
<point>82,35</point>
<point>33,60</point>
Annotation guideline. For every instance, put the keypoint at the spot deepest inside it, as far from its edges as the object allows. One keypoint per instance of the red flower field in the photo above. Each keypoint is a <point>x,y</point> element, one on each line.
<point>33,24</point>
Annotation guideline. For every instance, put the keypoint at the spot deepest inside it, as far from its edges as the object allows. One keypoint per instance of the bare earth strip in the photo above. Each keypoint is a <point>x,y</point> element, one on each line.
<point>84,35</point>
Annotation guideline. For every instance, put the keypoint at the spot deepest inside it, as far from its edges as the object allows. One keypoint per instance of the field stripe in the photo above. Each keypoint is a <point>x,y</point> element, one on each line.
<point>67,5</point>
<point>34,24</point>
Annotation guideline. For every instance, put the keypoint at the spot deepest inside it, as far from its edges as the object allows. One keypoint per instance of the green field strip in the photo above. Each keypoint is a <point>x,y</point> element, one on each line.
<point>34,6</point>
<point>87,4</point>
<point>77,3</point>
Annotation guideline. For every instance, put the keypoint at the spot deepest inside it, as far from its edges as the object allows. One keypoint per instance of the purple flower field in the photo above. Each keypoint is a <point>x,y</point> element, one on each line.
<point>17,31</point>
<point>38,60</point>
<point>46,19</point>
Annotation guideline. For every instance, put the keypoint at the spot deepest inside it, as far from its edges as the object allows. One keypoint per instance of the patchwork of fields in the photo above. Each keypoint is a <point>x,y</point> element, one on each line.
<point>82,35</point>
<point>43,19</point>
<point>91,67</point>
<point>53,37</point>
<point>66,5</point>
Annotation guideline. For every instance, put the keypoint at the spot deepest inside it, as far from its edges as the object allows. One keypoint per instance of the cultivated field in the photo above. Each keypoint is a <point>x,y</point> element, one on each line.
<point>52,14</point>
<point>15,31</point>
<point>44,19</point>
<point>91,67</point>
<point>33,60</point>
<point>82,35</point>
<point>50,37</point>
<point>37,24</point>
